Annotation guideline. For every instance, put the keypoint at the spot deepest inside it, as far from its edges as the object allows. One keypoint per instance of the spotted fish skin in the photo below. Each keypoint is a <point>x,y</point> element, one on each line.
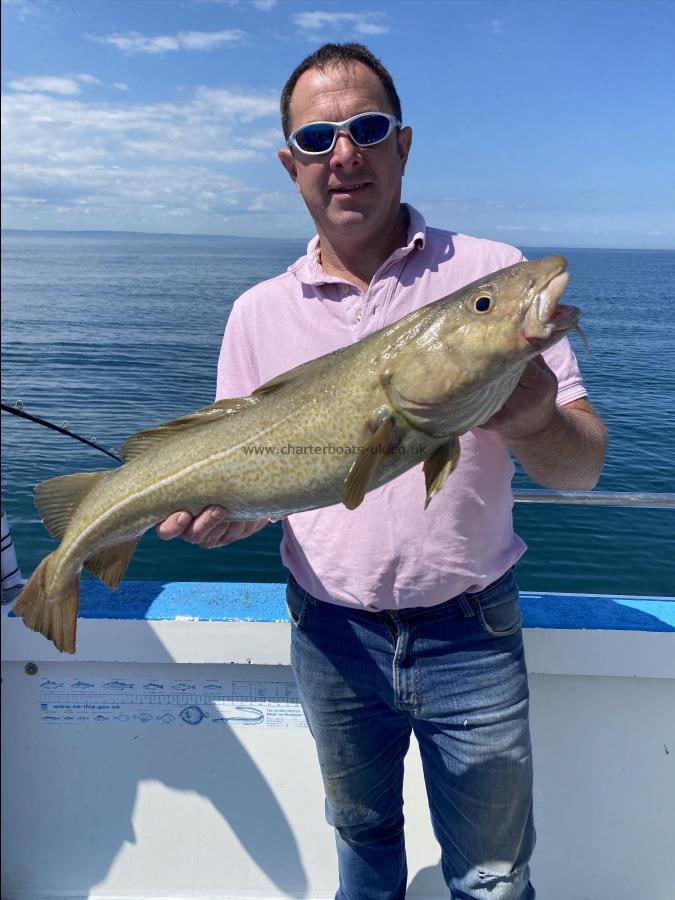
<point>323,433</point>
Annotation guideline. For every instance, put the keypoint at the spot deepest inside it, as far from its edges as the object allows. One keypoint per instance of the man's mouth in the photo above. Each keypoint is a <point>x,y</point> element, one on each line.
<point>349,188</point>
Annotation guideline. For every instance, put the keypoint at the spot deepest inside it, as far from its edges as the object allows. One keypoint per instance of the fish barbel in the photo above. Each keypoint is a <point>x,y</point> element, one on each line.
<point>325,432</point>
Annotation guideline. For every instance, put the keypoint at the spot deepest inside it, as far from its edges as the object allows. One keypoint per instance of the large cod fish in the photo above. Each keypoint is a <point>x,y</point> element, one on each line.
<point>399,397</point>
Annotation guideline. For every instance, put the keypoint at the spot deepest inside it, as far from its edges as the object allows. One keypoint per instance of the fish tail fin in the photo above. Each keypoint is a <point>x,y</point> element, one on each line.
<point>57,619</point>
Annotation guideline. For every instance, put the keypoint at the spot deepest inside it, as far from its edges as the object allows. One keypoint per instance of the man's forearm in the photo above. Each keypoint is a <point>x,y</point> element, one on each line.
<point>568,453</point>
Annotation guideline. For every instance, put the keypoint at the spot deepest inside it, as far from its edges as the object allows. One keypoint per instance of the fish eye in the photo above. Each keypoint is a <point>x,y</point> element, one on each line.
<point>481,304</point>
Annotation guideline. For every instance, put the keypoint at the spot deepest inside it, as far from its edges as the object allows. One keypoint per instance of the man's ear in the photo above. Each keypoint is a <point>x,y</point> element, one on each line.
<point>288,162</point>
<point>404,143</point>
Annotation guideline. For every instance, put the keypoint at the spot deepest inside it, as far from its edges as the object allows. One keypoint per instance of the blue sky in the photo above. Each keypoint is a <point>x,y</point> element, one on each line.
<point>537,123</point>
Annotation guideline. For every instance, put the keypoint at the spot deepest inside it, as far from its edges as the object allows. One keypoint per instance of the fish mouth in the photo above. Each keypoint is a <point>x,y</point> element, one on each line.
<point>547,319</point>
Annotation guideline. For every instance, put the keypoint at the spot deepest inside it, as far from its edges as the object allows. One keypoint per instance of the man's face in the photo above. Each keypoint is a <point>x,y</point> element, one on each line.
<point>350,189</point>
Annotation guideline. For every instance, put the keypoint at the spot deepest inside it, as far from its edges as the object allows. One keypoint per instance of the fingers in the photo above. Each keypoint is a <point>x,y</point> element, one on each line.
<point>531,405</point>
<point>194,529</point>
<point>211,528</point>
<point>173,526</point>
<point>535,373</point>
<point>206,528</point>
<point>232,531</point>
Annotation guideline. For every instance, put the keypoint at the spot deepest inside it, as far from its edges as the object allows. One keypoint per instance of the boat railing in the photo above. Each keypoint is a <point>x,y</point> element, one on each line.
<point>596,498</point>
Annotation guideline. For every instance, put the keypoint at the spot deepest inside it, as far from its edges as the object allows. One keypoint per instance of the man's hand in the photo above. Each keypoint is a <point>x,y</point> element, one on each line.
<point>530,407</point>
<point>560,447</point>
<point>211,528</point>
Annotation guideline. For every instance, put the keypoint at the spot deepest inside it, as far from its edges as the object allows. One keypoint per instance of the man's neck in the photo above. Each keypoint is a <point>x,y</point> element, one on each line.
<point>357,260</point>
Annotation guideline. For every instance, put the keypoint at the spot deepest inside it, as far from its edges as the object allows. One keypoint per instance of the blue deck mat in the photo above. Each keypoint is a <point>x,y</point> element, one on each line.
<point>251,602</point>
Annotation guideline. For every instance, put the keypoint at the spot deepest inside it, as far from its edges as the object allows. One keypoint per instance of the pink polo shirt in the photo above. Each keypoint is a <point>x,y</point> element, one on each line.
<point>389,553</point>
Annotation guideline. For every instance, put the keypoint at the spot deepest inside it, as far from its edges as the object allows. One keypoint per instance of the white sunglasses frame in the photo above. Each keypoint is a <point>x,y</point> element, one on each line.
<point>342,126</point>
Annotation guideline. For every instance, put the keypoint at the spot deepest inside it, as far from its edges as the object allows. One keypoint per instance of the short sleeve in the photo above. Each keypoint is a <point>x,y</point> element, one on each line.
<point>238,374</point>
<point>561,359</point>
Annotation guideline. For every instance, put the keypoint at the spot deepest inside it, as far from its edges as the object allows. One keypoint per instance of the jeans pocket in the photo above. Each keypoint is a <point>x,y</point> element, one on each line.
<point>297,602</point>
<point>499,609</point>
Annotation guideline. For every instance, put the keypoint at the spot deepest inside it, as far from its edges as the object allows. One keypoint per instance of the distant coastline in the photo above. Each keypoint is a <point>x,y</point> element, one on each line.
<point>156,235</point>
<point>169,235</point>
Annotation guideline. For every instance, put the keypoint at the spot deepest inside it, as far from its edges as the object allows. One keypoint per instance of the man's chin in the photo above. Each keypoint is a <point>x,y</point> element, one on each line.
<point>343,216</point>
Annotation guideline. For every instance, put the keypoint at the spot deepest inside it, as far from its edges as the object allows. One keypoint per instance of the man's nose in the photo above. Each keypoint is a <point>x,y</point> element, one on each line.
<point>346,152</point>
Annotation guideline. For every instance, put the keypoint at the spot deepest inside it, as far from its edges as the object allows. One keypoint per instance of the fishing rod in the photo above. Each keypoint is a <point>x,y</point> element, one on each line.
<point>18,410</point>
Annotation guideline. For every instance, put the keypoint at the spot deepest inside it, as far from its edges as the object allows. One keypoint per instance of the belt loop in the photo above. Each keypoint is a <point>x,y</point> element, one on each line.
<point>466,606</point>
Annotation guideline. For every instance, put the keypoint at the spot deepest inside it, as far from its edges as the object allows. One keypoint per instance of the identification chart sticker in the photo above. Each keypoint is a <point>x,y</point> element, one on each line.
<point>171,702</point>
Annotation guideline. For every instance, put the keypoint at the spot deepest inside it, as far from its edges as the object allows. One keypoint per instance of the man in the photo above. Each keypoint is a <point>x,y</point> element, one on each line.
<point>402,619</point>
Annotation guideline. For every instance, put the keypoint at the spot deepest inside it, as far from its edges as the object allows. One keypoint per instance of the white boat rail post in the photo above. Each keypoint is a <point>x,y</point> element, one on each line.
<point>12,579</point>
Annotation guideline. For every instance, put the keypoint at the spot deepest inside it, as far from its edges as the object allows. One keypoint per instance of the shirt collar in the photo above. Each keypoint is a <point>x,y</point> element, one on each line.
<point>308,268</point>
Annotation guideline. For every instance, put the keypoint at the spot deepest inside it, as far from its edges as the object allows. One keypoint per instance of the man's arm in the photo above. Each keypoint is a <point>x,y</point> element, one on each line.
<point>560,447</point>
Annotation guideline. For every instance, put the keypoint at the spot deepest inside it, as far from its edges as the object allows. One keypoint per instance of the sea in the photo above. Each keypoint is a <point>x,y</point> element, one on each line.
<point>114,332</point>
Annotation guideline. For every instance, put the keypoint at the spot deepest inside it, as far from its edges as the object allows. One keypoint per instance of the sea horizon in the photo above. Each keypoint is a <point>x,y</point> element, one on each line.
<point>132,233</point>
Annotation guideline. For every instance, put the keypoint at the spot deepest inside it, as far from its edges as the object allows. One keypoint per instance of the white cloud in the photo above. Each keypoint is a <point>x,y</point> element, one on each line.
<point>51,84</point>
<point>23,8</point>
<point>87,79</point>
<point>135,42</point>
<point>207,40</point>
<point>66,85</point>
<point>358,23</point>
<point>468,202</point>
<point>243,107</point>
<point>121,86</point>
<point>129,165</point>
<point>263,5</point>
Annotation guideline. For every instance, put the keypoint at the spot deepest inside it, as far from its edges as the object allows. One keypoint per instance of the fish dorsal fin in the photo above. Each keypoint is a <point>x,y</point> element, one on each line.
<point>438,466</point>
<point>110,564</point>
<point>57,499</point>
<point>313,367</point>
<point>366,463</point>
<point>152,437</point>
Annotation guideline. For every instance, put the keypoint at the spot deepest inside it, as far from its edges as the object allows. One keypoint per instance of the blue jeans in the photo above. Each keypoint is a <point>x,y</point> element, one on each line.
<point>455,675</point>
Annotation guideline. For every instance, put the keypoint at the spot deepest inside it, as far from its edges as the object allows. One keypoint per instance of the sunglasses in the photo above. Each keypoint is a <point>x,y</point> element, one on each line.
<point>365,130</point>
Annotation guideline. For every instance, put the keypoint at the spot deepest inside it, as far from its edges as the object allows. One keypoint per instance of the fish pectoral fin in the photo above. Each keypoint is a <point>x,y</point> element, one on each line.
<point>110,564</point>
<point>151,438</point>
<point>366,463</point>
<point>406,408</point>
<point>286,378</point>
<point>438,466</point>
<point>57,499</point>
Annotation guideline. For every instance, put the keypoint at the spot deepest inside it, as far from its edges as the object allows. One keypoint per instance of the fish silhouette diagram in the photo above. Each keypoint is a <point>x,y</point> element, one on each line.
<point>255,716</point>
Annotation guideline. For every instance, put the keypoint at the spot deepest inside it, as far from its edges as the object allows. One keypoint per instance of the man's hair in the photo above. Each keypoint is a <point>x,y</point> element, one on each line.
<point>333,55</point>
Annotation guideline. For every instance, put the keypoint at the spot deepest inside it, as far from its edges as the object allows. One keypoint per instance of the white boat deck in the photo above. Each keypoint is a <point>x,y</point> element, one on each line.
<point>169,757</point>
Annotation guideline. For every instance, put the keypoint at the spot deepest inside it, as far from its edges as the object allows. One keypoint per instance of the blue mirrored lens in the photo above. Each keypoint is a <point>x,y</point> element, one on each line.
<point>315,138</point>
<point>369,129</point>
